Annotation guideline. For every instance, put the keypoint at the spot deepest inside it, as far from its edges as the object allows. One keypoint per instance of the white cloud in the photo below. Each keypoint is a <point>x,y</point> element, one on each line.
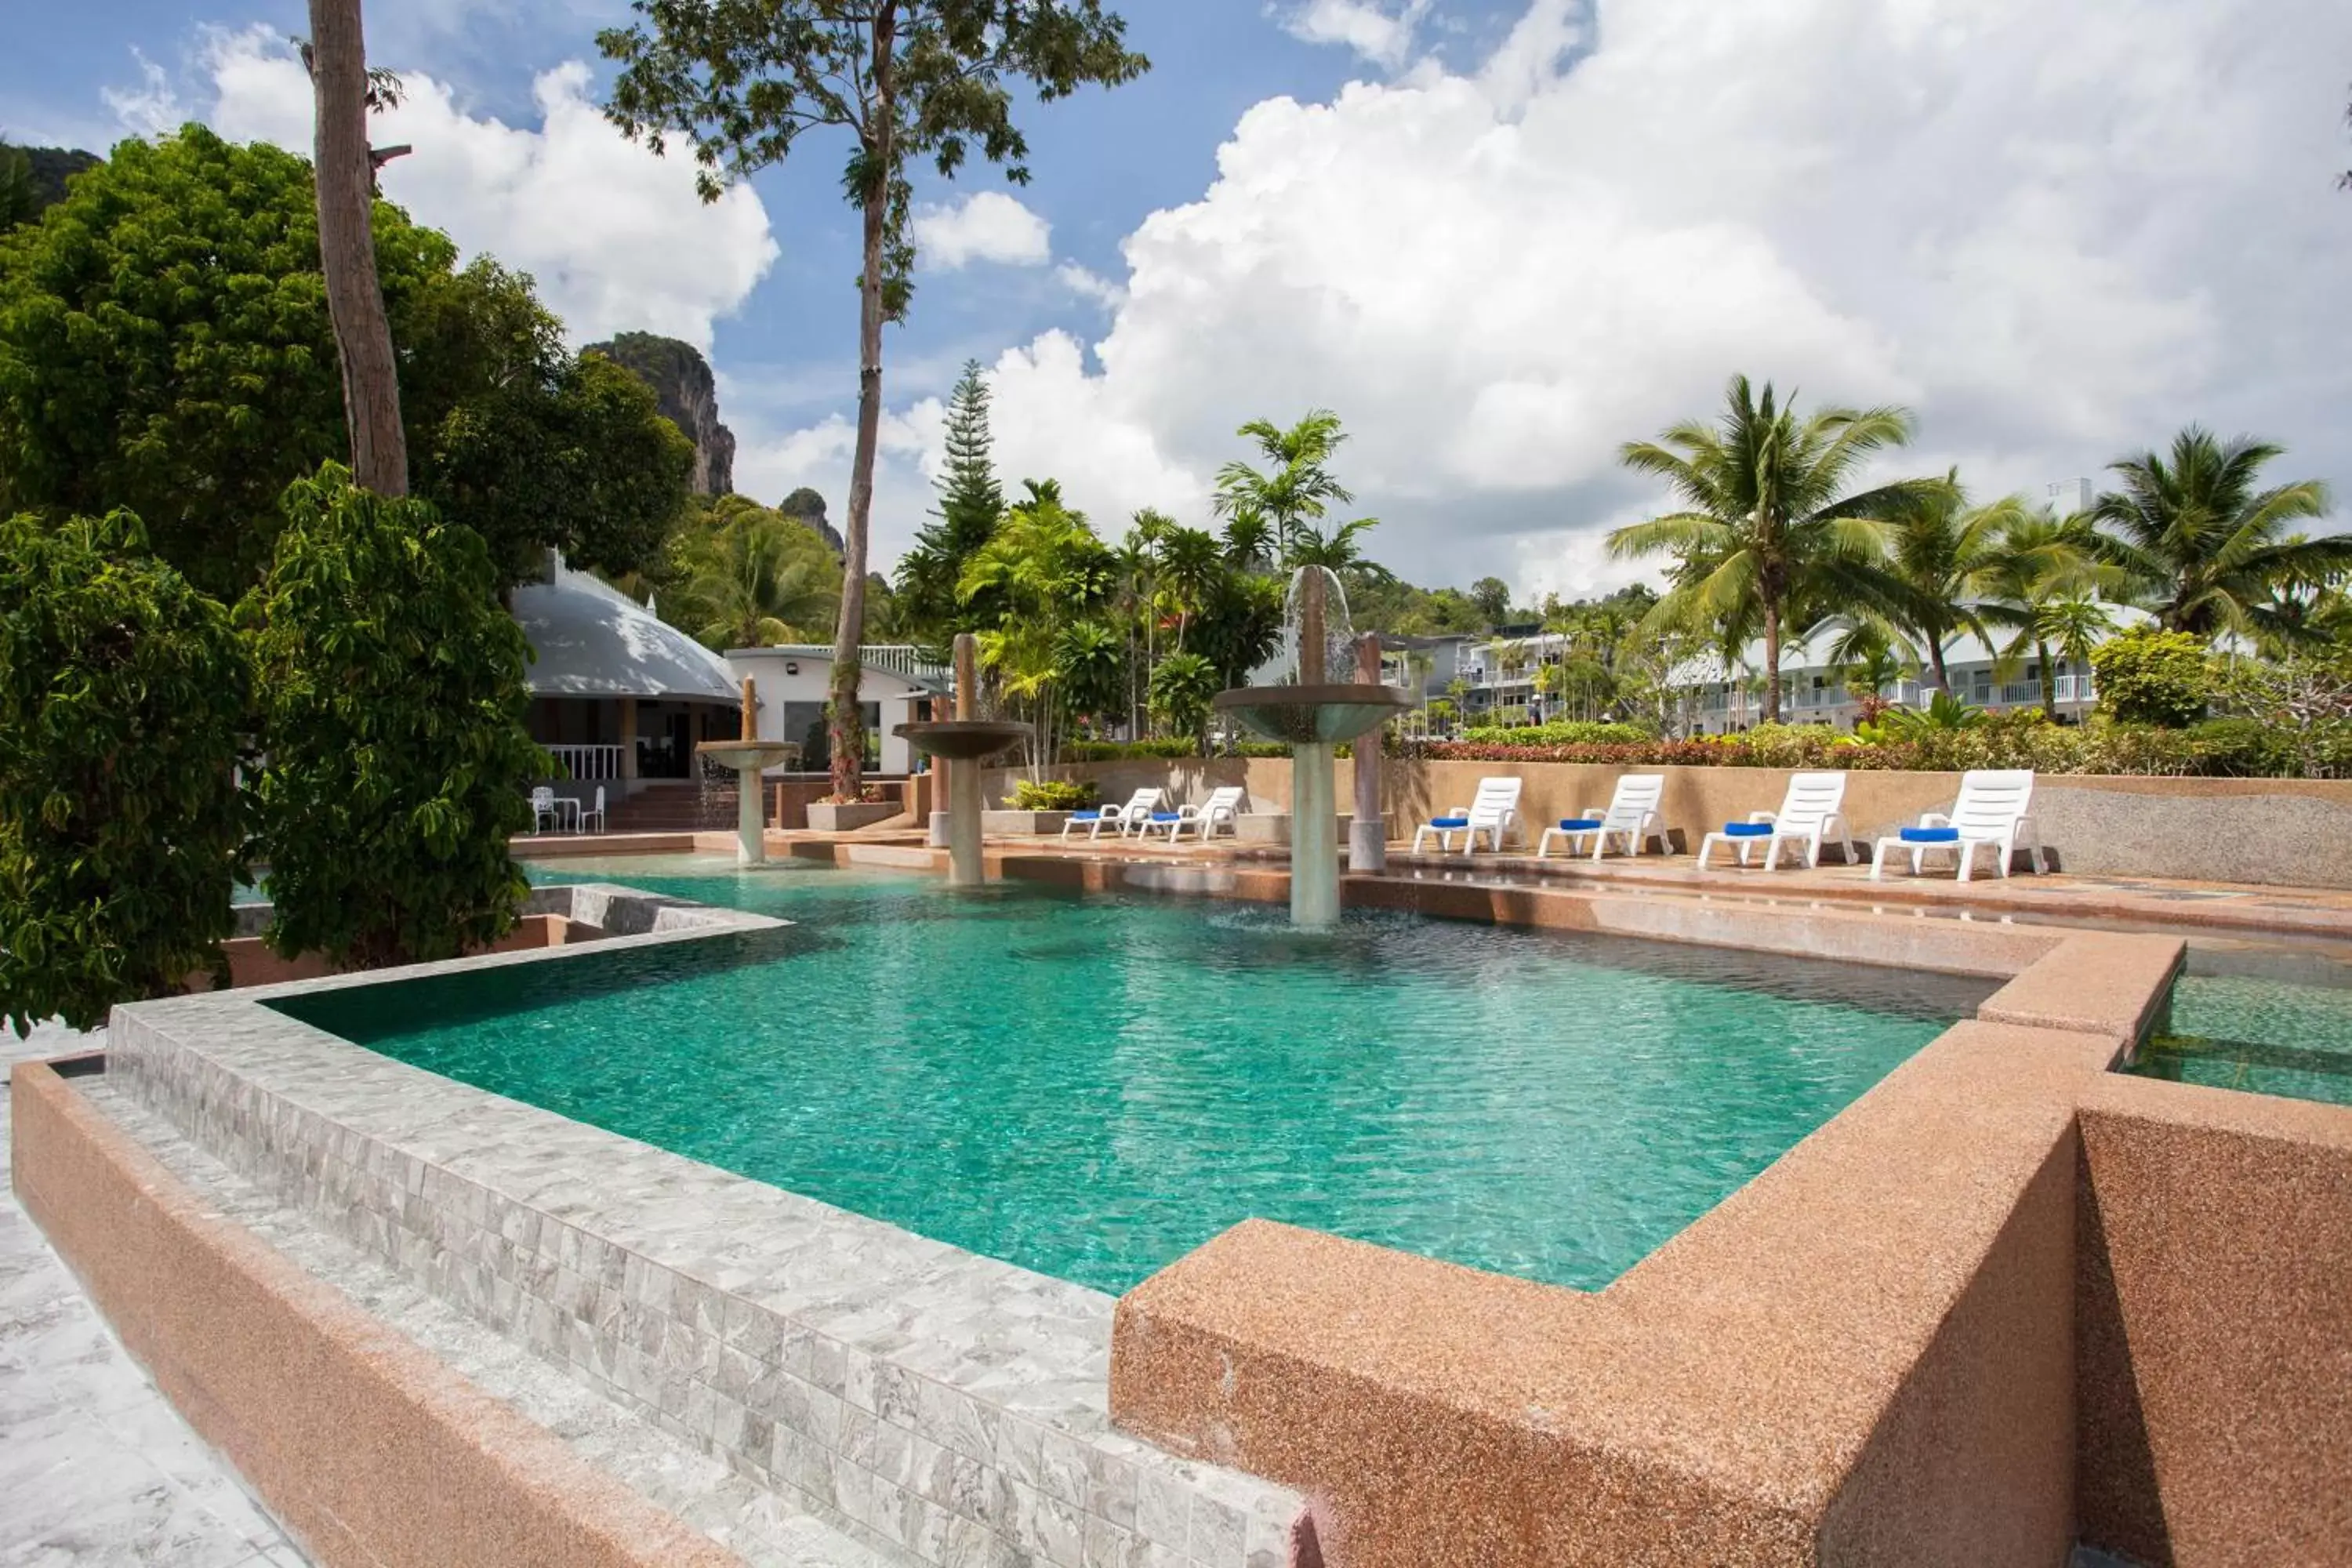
<point>987,226</point>
<point>617,238</point>
<point>1381,34</point>
<point>2058,232</point>
<point>151,108</point>
<point>1087,284</point>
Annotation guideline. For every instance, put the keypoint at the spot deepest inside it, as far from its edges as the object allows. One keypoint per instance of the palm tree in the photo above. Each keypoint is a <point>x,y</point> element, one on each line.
<point>753,579</point>
<point>1296,486</point>
<point>1309,547</point>
<point>2050,583</point>
<point>1191,566</point>
<point>1951,560</point>
<point>1766,523</point>
<point>2202,544</point>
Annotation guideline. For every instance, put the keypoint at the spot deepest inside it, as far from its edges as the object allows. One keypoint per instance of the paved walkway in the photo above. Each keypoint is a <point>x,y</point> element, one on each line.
<point>97,1470</point>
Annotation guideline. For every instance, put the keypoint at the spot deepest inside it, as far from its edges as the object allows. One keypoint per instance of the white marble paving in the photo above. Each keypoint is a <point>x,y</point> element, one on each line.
<point>97,1470</point>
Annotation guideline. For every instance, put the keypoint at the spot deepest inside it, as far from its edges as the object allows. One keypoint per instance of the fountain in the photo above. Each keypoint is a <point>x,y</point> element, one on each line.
<point>958,745</point>
<point>749,756</point>
<point>1314,715</point>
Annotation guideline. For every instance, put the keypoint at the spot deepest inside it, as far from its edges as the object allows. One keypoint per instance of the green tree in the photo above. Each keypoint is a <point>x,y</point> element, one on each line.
<point>1337,550</point>
<point>970,501</point>
<point>1767,521</point>
<point>1295,487</point>
<point>1493,597</point>
<point>2049,583</point>
<point>1181,689</point>
<point>2202,544</point>
<point>164,346</point>
<point>391,705</point>
<point>122,708</point>
<point>2150,676</point>
<point>745,576</point>
<point>17,203</point>
<point>1950,562</point>
<point>1191,569</point>
<point>1049,573</point>
<point>741,82</point>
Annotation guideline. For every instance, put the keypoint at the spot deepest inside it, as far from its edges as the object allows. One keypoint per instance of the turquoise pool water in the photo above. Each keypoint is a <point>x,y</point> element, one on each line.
<point>2269,1035</point>
<point>1091,1087</point>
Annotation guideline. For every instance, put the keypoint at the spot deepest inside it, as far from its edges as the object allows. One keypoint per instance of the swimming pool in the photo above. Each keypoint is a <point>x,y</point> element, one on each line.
<point>2259,1032</point>
<point>1092,1086</point>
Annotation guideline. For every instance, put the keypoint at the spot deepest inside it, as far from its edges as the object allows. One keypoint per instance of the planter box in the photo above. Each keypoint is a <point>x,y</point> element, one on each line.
<point>1008,821</point>
<point>1274,826</point>
<point>849,818</point>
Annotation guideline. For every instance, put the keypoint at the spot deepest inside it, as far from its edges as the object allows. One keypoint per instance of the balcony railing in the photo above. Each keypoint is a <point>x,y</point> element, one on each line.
<point>587,761</point>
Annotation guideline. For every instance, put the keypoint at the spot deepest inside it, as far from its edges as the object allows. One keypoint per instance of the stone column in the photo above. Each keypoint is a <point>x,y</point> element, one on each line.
<point>966,867</point>
<point>1368,834</point>
<point>629,738</point>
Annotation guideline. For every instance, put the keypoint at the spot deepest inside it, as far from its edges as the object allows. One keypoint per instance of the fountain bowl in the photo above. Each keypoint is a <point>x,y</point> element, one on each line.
<point>962,740</point>
<point>1322,714</point>
<point>748,756</point>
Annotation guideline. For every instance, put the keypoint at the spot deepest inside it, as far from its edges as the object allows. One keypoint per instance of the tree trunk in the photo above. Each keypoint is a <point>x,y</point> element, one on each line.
<point>345,180</point>
<point>845,720</point>
<point>1771,661</point>
<point>2048,681</point>
<point>1938,674</point>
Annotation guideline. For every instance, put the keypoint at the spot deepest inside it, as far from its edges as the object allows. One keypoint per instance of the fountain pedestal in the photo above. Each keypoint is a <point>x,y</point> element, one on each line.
<point>749,759</point>
<point>962,742</point>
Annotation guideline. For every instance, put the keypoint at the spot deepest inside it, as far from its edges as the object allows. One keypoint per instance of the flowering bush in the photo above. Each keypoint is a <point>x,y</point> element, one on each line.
<point>1053,795</point>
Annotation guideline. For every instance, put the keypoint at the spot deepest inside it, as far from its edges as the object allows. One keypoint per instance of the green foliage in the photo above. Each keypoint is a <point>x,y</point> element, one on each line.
<point>742,575</point>
<point>1564,732</point>
<point>164,346</point>
<point>1492,596</point>
<point>971,502</point>
<point>122,706</point>
<point>33,178</point>
<point>391,699</point>
<point>1048,573</point>
<point>1054,795</point>
<point>1283,500</point>
<point>1180,690</point>
<point>2150,677</point>
<point>17,200</point>
<point>1943,712</point>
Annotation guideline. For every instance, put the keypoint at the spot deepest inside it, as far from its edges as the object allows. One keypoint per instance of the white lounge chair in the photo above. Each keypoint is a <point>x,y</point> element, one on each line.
<point>597,814</point>
<point>543,808</point>
<point>1631,815</point>
<point>1125,818</point>
<point>1811,814</point>
<point>1992,813</point>
<point>1222,805</point>
<point>1494,812</point>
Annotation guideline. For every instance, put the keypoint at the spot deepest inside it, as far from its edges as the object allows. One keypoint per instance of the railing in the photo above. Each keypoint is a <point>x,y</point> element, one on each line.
<point>2077,688</point>
<point>891,657</point>
<point>587,761</point>
<point>2020,693</point>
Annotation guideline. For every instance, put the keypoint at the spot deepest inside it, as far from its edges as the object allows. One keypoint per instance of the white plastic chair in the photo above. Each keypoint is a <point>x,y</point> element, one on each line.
<point>1126,818</point>
<point>1811,812</point>
<point>1222,805</point>
<point>1495,811</point>
<point>1631,815</point>
<point>543,808</point>
<point>597,815</point>
<point>1992,813</point>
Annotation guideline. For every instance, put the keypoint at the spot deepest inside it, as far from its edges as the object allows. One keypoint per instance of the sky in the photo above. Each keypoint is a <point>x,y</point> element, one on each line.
<point>1498,238</point>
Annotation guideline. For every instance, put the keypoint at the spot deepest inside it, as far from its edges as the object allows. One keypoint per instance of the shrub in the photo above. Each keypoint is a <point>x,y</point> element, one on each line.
<point>2151,677</point>
<point>1565,732</point>
<point>122,706</point>
<point>1120,750</point>
<point>1053,795</point>
<point>390,710</point>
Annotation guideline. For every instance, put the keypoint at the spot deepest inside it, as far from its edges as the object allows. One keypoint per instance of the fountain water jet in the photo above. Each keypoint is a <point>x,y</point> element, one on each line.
<point>1314,715</point>
<point>961,743</point>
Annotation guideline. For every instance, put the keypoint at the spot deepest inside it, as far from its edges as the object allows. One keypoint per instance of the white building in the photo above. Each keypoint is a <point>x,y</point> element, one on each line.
<point>792,683</point>
<point>1813,691</point>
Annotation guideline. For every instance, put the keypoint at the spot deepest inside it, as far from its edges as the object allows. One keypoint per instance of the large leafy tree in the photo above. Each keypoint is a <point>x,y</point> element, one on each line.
<point>902,80</point>
<point>391,699</point>
<point>749,577</point>
<point>1050,573</point>
<point>2203,542</point>
<point>166,347</point>
<point>123,708</point>
<point>970,501</point>
<point>1295,487</point>
<point>1769,521</point>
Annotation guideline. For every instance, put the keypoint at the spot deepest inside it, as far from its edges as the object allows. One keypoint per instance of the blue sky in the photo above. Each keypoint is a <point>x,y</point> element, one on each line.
<point>1499,237</point>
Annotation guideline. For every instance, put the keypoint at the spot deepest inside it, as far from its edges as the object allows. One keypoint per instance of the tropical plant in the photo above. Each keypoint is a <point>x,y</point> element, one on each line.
<point>1192,567</point>
<point>2148,676</point>
<point>1337,551</point>
<point>1944,711</point>
<point>1951,563</point>
<point>2201,543</point>
<point>1053,795</point>
<point>971,502</point>
<point>1181,689</point>
<point>123,708</point>
<point>1767,521</point>
<point>1294,488</point>
<point>1049,574</point>
<point>391,698</point>
<point>166,347</point>
<point>742,80</point>
<point>18,204</point>
<point>746,576</point>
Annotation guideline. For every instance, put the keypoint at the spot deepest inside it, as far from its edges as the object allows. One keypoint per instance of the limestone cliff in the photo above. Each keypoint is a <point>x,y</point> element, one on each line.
<point>682,384</point>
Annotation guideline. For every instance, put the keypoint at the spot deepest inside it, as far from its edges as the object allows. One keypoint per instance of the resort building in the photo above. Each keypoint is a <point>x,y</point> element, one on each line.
<point>895,684</point>
<point>1814,689</point>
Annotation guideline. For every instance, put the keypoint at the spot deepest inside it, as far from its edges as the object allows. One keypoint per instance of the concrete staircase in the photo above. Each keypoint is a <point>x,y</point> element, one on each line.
<point>678,807</point>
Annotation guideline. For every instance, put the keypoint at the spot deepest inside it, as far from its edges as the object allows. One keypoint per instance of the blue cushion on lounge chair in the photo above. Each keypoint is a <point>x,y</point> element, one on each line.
<point>1449,822</point>
<point>1085,816</point>
<point>1931,836</point>
<point>1748,830</point>
<point>1578,824</point>
<point>1167,817</point>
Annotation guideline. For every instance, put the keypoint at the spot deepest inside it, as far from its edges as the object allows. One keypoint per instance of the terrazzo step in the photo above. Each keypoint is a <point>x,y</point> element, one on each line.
<point>766,1529</point>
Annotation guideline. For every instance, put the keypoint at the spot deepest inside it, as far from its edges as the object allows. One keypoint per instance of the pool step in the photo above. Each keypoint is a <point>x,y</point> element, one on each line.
<point>765,1529</point>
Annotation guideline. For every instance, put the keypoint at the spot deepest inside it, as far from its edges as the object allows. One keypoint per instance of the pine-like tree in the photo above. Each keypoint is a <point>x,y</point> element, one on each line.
<point>971,503</point>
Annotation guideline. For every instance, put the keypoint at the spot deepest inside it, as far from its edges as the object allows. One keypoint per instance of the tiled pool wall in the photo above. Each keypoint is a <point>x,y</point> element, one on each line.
<point>936,1403</point>
<point>1868,1354</point>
